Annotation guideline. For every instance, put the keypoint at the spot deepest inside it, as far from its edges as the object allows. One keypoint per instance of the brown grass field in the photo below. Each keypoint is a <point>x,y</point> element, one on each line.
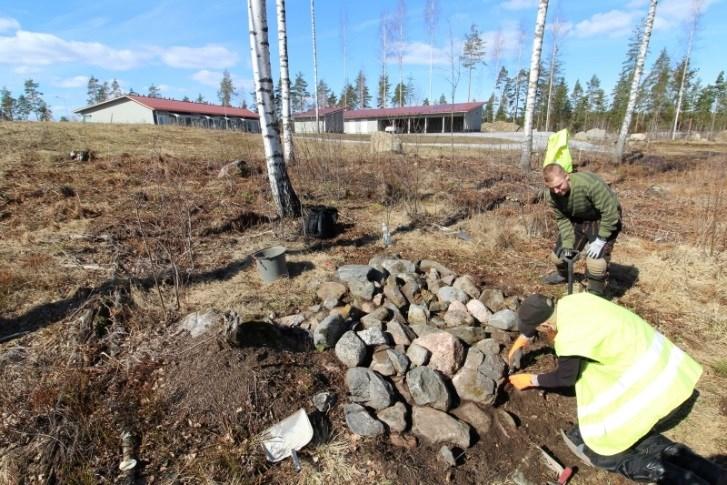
<point>146,232</point>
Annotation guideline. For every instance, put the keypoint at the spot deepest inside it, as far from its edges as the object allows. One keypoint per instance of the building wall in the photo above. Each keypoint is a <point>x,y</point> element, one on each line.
<point>330,123</point>
<point>360,126</point>
<point>126,111</point>
<point>473,120</point>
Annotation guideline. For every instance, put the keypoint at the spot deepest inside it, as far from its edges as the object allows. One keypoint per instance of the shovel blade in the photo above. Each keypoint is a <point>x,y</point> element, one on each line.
<point>290,434</point>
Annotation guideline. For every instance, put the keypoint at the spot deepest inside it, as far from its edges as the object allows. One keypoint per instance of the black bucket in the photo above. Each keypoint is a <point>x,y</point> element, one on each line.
<point>320,222</point>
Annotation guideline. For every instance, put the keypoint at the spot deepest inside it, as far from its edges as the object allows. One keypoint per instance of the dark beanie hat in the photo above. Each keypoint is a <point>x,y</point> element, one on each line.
<point>533,311</point>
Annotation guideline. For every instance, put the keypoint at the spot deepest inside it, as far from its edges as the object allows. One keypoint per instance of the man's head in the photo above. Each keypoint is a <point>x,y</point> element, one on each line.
<point>556,179</point>
<point>534,311</point>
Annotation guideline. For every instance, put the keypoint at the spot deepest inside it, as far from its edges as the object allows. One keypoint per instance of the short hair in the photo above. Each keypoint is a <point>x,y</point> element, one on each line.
<point>553,170</point>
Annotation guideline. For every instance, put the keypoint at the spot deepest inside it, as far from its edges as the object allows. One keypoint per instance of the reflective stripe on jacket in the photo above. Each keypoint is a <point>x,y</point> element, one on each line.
<point>633,375</point>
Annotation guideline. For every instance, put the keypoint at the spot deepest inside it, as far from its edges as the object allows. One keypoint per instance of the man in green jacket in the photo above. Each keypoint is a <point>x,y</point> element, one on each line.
<point>628,379</point>
<point>588,215</point>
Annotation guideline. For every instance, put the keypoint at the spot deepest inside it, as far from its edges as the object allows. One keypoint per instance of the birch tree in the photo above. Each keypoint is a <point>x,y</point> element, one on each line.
<point>285,198</point>
<point>696,11</point>
<point>315,59</point>
<point>284,83</point>
<point>431,15</point>
<point>533,83</point>
<point>551,76</point>
<point>648,25</point>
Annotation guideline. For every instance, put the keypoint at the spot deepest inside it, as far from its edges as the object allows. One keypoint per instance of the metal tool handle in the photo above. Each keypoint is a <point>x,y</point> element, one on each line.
<point>296,460</point>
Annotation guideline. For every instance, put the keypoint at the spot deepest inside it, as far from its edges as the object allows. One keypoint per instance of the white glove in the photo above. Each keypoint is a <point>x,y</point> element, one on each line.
<point>595,248</point>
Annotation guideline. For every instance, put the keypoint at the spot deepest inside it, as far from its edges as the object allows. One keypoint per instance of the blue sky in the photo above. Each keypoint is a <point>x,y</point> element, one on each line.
<point>183,46</point>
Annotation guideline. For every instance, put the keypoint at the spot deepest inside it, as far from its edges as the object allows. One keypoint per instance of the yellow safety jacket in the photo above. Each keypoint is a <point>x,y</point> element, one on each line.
<point>632,376</point>
<point>558,152</point>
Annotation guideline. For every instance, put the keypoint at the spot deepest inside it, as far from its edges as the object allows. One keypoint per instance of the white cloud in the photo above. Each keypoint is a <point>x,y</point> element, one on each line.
<point>72,82</point>
<point>208,78</point>
<point>24,70</point>
<point>672,13</point>
<point>613,23</point>
<point>209,56</point>
<point>417,53</point>
<point>518,4</point>
<point>39,49</point>
<point>8,24</point>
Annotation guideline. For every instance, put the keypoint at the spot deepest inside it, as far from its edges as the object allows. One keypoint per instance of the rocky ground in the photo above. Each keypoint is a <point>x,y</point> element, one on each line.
<point>130,304</point>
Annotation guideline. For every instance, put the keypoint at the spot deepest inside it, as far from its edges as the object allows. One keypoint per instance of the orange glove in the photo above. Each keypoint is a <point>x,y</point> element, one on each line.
<point>523,381</point>
<point>520,343</point>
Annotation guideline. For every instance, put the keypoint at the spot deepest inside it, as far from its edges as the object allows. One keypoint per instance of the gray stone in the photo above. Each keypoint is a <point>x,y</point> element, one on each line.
<point>356,272</point>
<point>351,350</point>
<point>428,388</point>
<point>395,266</point>
<point>512,302</point>
<point>378,299</point>
<point>418,355</point>
<point>386,142</point>
<point>366,306</point>
<point>291,320</point>
<point>400,334</point>
<point>394,295</point>
<point>448,294</point>
<point>197,323</point>
<point>375,262</point>
<point>433,283</point>
<point>403,441</point>
<point>330,303</point>
<point>448,279</point>
<point>360,422</point>
<point>504,320</point>
<point>403,390</point>
<point>488,346</point>
<point>372,323</point>
<point>404,278</point>
<point>438,306</point>
<point>396,313</point>
<point>436,426</point>
<point>447,456</point>
<point>472,385</point>
<point>418,314</point>
<point>395,417</point>
<point>329,331</point>
<point>368,387</point>
<point>324,401</point>
<point>457,315</point>
<point>331,290</point>
<point>422,330</point>
<point>505,422</point>
<point>381,314</point>
<point>361,289</point>
<point>398,360</point>
<point>469,335</point>
<point>479,311</point>
<point>493,299</point>
<point>467,284</point>
<point>382,364</point>
<point>448,351</point>
<point>473,415</point>
<point>426,265</point>
<point>474,358</point>
<point>493,367</point>
<point>373,336</point>
<point>411,290</point>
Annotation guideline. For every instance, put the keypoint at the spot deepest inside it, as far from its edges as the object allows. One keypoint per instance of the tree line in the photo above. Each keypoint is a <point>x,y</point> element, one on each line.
<point>29,102</point>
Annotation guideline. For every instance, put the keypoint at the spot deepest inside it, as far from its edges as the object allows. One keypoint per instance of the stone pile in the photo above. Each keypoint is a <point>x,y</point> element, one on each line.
<point>422,346</point>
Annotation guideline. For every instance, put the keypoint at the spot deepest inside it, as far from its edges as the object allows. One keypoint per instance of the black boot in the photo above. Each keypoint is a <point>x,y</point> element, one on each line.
<point>596,285</point>
<point>685,458</point>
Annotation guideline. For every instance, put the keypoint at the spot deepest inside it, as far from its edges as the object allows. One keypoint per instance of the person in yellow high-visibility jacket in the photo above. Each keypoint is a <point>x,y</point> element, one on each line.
<point>558,152</point>
<point>628,378</point>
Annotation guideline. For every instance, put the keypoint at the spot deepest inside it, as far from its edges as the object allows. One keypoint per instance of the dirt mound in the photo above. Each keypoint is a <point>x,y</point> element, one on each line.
<point>499,126</point>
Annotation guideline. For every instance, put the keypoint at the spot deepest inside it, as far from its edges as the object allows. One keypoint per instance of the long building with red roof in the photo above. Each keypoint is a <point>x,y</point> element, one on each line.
<point>438,118</point>
<point>160,111</point>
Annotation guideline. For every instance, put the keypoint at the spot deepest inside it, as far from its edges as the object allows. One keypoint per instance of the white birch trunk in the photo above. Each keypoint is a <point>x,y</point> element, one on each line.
<point>550,84</point>
<point>285,83</point>
<point>618,154</point>
<point>315,61</point>
<point>532,84</point>
<point>697,6</point>
<point>285,198</point>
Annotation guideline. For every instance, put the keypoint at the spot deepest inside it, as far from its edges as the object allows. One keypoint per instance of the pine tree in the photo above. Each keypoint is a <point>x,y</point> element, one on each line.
<point>425,102</point>
<point>659,100</point>
<point>488,114</point>
<point>473,54</point>
<point>324,93</point>
<point>22,108</point>
<point>44,112</point>
<point>7,105</point>
<point>200,98</point>
<point>227,89</point>
<point>332,100</point>
<point>153,91</point>
<point>186,99</point>
<point>410,91</point>
<point>561,108</point>
<point>102,94</point>
<point>362,91</point>
<point>299,93</point>
<point>349,97</point>
<point>383,90</point>
<point>115,89</point>
<point>91,90</point>
<point>579,102</point>
<point>400,95</point>
<point>596,102</point>
<point>620,93</point>
<point>33,97</point>
<point>442,99</point>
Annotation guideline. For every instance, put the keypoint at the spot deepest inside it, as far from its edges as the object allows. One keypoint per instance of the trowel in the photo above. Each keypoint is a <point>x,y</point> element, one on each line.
<point>287,437</point>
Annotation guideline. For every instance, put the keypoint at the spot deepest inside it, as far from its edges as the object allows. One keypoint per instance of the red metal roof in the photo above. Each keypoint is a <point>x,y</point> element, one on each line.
<point>311,113</point>
<point>191,107</point>
<point>437,109</point>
